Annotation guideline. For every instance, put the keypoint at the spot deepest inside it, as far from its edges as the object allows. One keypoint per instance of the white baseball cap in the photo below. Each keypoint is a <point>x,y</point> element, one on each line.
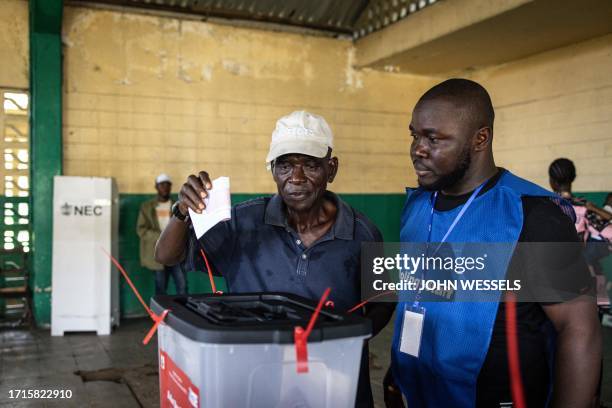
<point>300,132</point>
<point>163,178</point>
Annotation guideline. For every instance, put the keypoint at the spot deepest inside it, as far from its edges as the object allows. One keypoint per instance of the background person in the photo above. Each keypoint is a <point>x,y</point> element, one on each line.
<point>592,223</point>
<point>594,227</point>
<point>562,174</point>
<point>153,218</point>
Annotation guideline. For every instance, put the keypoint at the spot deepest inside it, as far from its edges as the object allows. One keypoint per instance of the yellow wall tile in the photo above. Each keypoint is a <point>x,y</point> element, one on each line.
<point>14,44</point>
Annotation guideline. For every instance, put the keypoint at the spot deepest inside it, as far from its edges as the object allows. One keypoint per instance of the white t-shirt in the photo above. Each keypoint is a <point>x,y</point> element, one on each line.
<point>162,210</point>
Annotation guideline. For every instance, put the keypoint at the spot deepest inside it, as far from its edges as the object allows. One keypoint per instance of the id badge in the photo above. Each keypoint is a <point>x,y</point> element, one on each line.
<point>412,330</point>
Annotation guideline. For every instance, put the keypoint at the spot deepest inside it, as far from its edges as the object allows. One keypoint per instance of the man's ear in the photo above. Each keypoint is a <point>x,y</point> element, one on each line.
<point>483,139</point>
<point>333,169</point>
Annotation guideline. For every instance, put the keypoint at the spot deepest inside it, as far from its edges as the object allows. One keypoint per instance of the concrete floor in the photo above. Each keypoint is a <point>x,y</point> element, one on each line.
<point>35,360</point>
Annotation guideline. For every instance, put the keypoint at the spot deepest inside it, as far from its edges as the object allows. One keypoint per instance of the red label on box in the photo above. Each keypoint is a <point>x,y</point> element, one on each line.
<point>175,388</point>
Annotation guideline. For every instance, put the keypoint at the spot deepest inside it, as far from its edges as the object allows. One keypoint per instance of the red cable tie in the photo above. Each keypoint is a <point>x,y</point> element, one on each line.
<point>514,367</point>
<point>300,336</point>
<point>129,281</point>
<point>301,350</point>
<point>210,274</point>
<point>157,319</point>
<point>359,305</point>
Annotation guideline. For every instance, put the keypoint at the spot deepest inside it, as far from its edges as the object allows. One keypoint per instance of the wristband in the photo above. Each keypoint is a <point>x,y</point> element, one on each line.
<point>177,213</point>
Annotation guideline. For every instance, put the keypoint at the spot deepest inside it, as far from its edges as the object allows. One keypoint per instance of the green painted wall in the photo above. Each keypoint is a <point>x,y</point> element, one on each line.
<point>129,205</point>
<point>382,209</point>
<point>596,197</point>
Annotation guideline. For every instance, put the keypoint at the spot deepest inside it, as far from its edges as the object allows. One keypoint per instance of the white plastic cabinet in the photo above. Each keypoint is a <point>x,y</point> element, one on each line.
<point>85,284</point>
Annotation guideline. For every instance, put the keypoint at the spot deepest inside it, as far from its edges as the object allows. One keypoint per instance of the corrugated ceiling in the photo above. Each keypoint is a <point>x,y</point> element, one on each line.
<point>353,17</point>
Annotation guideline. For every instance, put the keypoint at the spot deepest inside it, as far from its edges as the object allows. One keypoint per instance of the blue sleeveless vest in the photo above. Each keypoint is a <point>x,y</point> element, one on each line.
<point>456,335</point>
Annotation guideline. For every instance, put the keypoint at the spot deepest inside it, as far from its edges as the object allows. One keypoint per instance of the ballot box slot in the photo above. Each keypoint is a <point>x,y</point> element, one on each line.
<point>230,312</point>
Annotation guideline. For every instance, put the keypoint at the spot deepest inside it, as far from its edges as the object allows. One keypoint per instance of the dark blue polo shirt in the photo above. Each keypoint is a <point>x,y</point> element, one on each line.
<point>256,251</point>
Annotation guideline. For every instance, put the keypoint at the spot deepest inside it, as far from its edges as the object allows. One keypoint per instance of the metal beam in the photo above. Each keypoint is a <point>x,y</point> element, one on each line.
<point>45,142</point>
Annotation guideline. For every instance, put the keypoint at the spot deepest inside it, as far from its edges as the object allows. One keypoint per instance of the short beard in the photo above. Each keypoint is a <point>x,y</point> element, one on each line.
<point>452,178</point>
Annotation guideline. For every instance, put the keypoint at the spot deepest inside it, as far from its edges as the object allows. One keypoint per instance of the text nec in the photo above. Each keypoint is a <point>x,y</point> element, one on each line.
<point>86,210</point>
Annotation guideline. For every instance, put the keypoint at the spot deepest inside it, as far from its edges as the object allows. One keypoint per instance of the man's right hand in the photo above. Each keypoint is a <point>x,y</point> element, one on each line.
<point>193,193</point>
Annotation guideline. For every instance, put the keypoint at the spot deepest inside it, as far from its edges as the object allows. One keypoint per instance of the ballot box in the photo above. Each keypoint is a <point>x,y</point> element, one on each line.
<point>85,294</point>
<point>238,351</point>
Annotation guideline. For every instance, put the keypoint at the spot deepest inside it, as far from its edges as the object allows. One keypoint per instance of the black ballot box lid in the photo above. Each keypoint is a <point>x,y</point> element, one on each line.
<point>253,318</point>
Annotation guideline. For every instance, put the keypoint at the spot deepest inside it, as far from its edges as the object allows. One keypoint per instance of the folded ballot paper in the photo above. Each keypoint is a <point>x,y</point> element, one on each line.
<point>218,207</point>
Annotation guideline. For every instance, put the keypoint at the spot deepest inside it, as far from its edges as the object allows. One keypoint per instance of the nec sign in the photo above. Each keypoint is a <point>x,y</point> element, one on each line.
<point>84,210</point>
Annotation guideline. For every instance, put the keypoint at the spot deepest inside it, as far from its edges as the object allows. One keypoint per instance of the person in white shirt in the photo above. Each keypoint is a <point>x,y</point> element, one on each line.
<point>152,220</point>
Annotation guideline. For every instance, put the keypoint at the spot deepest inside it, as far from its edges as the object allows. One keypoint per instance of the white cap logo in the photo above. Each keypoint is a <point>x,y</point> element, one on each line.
<point>300,132</point>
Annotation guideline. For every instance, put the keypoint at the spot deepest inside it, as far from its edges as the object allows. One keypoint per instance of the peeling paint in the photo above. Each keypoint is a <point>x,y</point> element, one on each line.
<point>207,72</point>
<point>38,289</point>
<point>199,28</point>
<point>67,42</point>
<point>84,19</point>
<point>183,70</point>
<point>184,76</point>
<point>124,81</point>
<point>392,68</point>
<point>14,55</point>
<point>169,24</point>
<point>235,68</point>
<point>354,78</point>
<point>163,63</point>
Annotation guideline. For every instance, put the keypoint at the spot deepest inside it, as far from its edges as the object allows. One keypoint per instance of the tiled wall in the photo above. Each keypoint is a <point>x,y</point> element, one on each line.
<point>149,94</point>
<point>556,104</point>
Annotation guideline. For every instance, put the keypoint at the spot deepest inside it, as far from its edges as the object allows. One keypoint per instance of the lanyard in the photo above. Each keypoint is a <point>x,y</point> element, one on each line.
<point>450,229</point>
<point>457,218</point>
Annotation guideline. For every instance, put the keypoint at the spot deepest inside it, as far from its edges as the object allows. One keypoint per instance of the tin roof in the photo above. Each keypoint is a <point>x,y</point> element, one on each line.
<point>350,17</point>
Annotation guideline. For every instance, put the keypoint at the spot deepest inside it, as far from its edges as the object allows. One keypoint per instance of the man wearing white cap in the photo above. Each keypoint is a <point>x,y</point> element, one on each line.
<point>153,218</point>
<point>301,240</point>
